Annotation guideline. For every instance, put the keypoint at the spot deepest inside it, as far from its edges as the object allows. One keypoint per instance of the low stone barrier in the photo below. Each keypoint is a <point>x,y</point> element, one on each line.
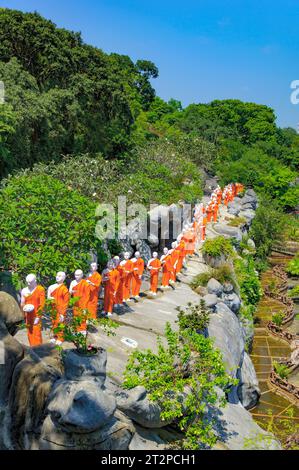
<point>284,385</point>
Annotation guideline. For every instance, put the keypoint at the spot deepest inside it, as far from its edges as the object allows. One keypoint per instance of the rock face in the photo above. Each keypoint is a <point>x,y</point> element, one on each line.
<point>233,301</point>
<point>11,351</point>
<point>227,231</point>
<point>248,387</point>
<point>80,407</point>
<point>80,367</point>
<point>238,431</point>
<point>10,313</point>
<point>214,287</point>
<point>135,404</point>
<point>225,328</point>
<point>210,300</point>
<point>116,435</point>
<point>243,204</point>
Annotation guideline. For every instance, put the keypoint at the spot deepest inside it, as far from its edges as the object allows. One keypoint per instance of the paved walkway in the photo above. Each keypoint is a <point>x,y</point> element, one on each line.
<point>141,322</point>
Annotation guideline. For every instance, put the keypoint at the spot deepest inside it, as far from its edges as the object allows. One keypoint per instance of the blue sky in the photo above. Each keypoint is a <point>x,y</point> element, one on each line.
<point>204,49</point>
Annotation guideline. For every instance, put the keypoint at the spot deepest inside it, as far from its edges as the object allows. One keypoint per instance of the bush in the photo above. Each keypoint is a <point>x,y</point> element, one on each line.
<point>195,317</point>
<point>281,369</point>
<point>277,318</point>
<point>45,227</point>
<point>294,292</point>
<point>293,266</point>
<point>187,361</point>
<point>236,221</point>
<point>218,246</point>
<point>222,274</point>
<point>250,285</point>
<point>266,228</point>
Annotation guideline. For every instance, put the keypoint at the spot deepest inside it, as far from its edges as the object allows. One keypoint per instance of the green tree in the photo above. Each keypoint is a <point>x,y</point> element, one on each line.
<point>45,227</point>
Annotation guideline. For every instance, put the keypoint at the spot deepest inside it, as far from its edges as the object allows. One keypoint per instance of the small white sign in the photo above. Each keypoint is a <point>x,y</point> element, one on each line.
<point>129,342</point>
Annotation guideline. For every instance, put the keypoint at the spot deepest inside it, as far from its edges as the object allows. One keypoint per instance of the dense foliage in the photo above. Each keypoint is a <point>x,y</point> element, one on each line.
<point>65,96</point>
<point>45,227</point>
<point>217,246</point>
<point>182,378</point>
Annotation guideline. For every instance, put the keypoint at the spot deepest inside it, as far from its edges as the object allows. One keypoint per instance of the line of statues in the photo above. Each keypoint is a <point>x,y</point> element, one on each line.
<point>121,280</point>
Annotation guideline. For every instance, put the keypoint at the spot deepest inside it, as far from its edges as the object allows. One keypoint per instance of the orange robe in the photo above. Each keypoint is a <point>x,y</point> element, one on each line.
<point>155,264</point>
<point>189,238</point>
<point>181,248</point>
<point>82,291</point>
<point>120,290</point>
<point>138,268</point>
<point>111,283</point>
<point>94,291</point>
<point>166,269</point>
<point>209,213</point>
<point>61,297</point>
<point>127,280</point>
<point>175,254</point>
<point>34,332</point>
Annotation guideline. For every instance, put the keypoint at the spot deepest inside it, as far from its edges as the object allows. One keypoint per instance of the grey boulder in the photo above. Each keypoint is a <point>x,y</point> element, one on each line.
<point>80,367</point>
<point>214,287</point>
<point>227,231</point>
<point>233,301</point>
<point>210,300</point>
<point>248,214</point>
<point>237,430</point>
<point>80,407</point>
<point>136,405</point>
<point>248,387</point>
<point>225,328</point>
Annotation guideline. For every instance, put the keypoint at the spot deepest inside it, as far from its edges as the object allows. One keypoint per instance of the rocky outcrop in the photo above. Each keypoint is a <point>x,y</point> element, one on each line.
<point>214,287</point>
<point>227,231</point>
<point>248,387</point>
<point>135,404</point>
<point>244,206</point>
<point>237,430</point>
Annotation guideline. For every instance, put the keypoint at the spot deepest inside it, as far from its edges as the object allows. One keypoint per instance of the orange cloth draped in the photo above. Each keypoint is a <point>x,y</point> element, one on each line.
<point>154,272</point>
<point>61,297</point>
<point>166,269</point>
<point>128,273</point>
<point>209,213</point>
<point>111,284</point>
<point>174,260</point>
<point>181,249</point>
<point>120,290</point>
<point>94,290</point>
<point>138,268</point>
<point>82,291</point>
<point>37,298</point>
<point>189,238</point>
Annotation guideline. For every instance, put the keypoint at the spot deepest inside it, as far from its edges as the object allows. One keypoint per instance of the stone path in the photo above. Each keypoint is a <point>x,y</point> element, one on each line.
<point>141,322</point>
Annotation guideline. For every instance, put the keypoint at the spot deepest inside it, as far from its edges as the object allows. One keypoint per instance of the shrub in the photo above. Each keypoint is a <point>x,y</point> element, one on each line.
<point>195,317</point>
<point>236,221</point>
<point>250,285</point>
<point>294,292</point>
<point>293,266</point>
<point>267,227</point>
<point>218,246</point>
<point>187,361</point>
<point>69,328</point>
<point>201,279</point>
<point>45,227</point>
<point>222,274</point>
<point>277,318</point>
<point>281,369</point>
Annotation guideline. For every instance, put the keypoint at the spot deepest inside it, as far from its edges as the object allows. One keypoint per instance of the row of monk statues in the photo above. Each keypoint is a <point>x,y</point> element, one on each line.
<point>121,279</point>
